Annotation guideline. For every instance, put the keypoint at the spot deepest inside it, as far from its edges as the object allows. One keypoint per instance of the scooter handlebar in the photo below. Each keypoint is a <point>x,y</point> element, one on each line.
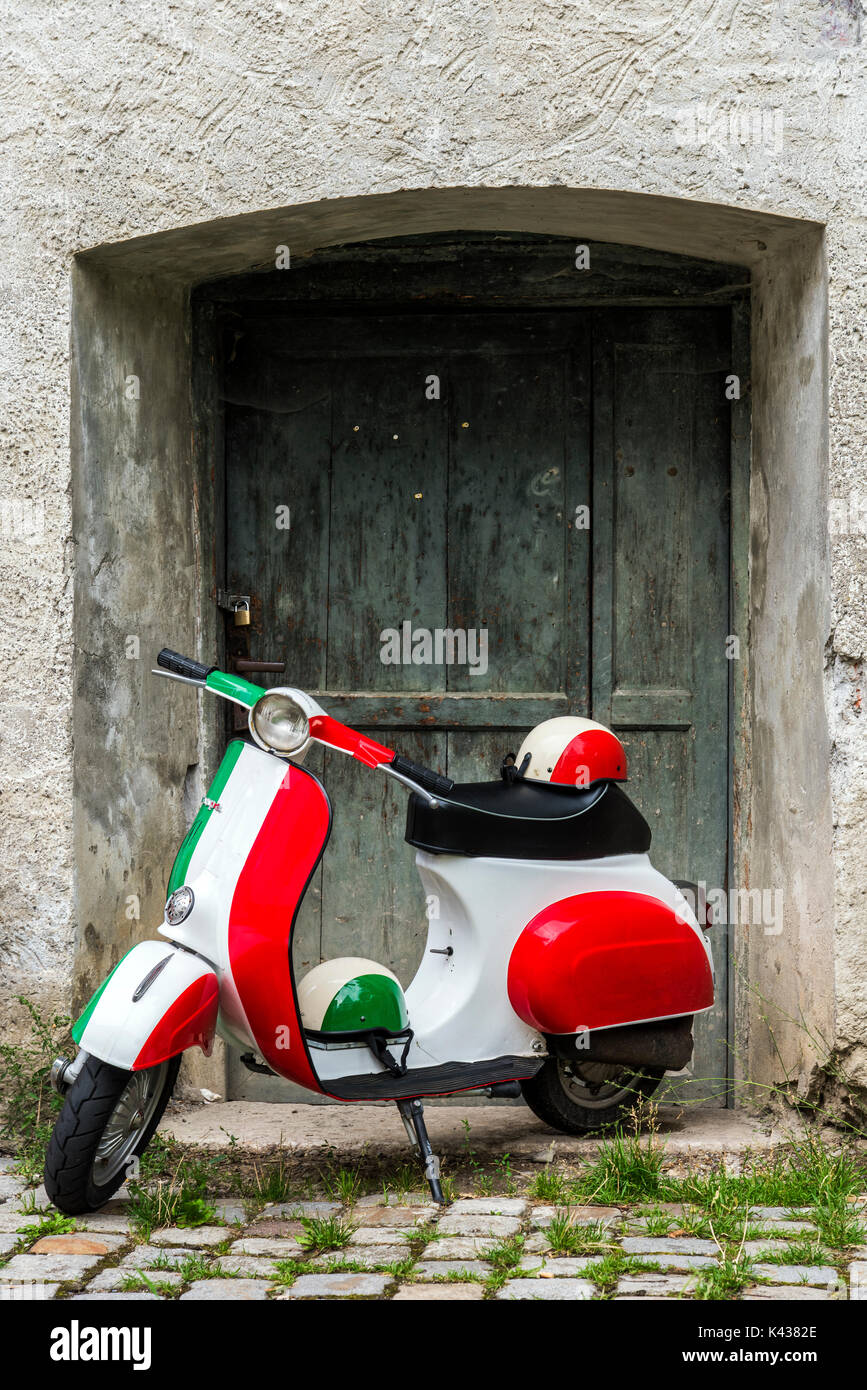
<point>431,781</point>
<point>183,665</point>
<point>322,727</point>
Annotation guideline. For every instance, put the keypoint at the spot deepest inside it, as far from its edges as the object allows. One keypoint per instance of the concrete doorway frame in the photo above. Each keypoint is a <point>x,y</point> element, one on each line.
<point>142,459</point>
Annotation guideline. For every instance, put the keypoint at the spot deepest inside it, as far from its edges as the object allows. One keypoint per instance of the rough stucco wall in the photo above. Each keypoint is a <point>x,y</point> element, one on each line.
<point>122,122</point>
<point>134,597</point>
<point>789,972</point>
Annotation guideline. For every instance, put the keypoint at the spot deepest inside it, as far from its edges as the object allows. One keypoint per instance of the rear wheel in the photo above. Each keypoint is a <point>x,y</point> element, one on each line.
<point>107,1121</point>
<point>580,1097</point>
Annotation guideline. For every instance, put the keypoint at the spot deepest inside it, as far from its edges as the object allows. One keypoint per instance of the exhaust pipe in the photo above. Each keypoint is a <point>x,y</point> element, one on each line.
<point>665,1044</point>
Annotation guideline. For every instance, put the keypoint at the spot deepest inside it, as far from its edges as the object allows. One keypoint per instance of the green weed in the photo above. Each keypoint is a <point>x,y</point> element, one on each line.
<point>30,1104</point>
<point>806,1250</point>
<point>287,1271</point>
<point>658,1222</point>
<point>274,1183</point>
<point>401,1181</point>
<point>455,1276</point>
<point>180,1200</point>
<point>323,1233</point>
<point>612,1266</point>
<point>566,1238</point>
<point>426,1233</point>
<point>343,1266</point>
<point>627,1168</point>
<point>724,1281</point>
<point>136,1283</point>
<point>839,1226</point>
<point>343,1186</point>
<point>504,1258</point>
<point>548,1186</point>
<point>399,1269</point>
<point>51,1223</point>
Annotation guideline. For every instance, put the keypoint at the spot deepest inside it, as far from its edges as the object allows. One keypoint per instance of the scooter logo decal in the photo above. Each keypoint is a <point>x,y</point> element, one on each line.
<point>149,978</point>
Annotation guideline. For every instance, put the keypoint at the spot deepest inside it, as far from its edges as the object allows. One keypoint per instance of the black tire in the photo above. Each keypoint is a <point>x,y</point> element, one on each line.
<point>579,1098</point>
<point>77,1178</point>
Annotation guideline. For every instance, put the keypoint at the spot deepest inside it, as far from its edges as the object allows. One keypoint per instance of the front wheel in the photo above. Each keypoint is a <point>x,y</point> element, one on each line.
<point>580,1097</point>
<point>107,1121</point>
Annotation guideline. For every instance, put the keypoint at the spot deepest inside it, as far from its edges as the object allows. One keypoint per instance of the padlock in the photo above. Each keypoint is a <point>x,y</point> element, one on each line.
<point>242,614</point>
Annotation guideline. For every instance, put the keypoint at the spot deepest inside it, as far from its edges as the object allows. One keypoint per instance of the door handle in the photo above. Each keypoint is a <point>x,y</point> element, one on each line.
<point>242,664</point>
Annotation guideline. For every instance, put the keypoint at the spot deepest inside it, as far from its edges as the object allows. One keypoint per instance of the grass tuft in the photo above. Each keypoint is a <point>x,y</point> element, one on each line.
<point>322,1233</point>
<point>30,1104</point>
<point>344,1185</point>
<point>724,1281</point>
<point>565,1238</point>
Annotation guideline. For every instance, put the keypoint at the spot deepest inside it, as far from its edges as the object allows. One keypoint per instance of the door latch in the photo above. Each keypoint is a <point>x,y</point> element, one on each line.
<point>237,604</point>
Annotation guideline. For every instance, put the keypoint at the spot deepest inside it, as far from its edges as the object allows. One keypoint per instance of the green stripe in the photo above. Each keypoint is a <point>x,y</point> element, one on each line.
<point>182,861</point>
<point>80,1024</point>
<point>235,687</point>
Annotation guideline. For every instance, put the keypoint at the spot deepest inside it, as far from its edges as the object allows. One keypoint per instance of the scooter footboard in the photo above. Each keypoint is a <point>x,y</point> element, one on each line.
<point>158,1001</point>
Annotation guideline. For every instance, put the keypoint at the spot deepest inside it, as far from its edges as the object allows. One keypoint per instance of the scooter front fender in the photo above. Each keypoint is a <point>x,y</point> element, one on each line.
<point>158,1001</point>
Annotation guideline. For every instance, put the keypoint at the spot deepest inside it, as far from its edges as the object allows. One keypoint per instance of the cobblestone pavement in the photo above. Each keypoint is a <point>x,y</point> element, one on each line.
<point>403,1248</point>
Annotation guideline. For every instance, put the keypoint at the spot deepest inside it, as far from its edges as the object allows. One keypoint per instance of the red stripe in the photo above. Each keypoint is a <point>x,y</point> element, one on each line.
<point>337,735</point>
<point>189,1022</point>
<point>267,894</point>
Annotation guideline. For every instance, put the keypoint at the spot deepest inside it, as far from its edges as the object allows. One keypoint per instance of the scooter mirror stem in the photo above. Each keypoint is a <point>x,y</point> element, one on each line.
<point>408,782</point>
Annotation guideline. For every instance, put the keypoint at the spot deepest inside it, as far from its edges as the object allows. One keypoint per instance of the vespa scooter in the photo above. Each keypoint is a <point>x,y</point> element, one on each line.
<point>559,964</point>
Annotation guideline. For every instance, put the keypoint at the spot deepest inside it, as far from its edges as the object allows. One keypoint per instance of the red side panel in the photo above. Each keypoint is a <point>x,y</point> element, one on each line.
<point>601,959</point>
<point>190,1022</point>
<point>267,894</point>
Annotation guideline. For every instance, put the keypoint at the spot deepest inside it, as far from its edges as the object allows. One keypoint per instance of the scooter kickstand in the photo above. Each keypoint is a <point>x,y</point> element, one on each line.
<point>412,1114</point>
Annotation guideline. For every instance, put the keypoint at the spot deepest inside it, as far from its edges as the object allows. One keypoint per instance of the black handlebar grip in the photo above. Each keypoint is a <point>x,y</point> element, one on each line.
<point>431,781</point>
<point>183,665</point>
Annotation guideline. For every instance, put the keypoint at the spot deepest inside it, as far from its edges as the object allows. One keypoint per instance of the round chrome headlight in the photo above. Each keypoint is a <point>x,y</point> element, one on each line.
<point>179,906</point>
<point>277,721</point>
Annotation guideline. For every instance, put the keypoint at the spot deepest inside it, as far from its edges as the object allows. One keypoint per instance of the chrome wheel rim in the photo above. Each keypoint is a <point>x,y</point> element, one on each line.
<point>598,1085</point>
<point>128,1120</point>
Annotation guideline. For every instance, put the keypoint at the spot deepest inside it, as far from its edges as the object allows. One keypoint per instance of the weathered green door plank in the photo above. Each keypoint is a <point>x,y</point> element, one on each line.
<point>443,709</point>
<point>388,519</point>
<point>661,566</point>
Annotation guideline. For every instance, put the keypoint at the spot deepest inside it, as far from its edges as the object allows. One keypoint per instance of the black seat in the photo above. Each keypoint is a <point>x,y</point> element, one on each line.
<point>529,820</point>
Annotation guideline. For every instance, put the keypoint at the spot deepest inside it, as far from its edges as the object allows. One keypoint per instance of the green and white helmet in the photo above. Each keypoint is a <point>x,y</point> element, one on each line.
<point>351,995</point>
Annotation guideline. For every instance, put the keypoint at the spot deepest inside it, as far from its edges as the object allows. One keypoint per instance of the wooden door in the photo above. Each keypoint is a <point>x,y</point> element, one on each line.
<point>435,468</point>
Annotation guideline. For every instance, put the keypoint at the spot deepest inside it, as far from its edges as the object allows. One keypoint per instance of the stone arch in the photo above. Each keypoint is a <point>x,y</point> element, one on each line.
<point>142,508</point>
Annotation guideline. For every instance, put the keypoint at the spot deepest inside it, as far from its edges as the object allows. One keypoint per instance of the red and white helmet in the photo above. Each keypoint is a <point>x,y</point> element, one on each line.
<point>573,753</point>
